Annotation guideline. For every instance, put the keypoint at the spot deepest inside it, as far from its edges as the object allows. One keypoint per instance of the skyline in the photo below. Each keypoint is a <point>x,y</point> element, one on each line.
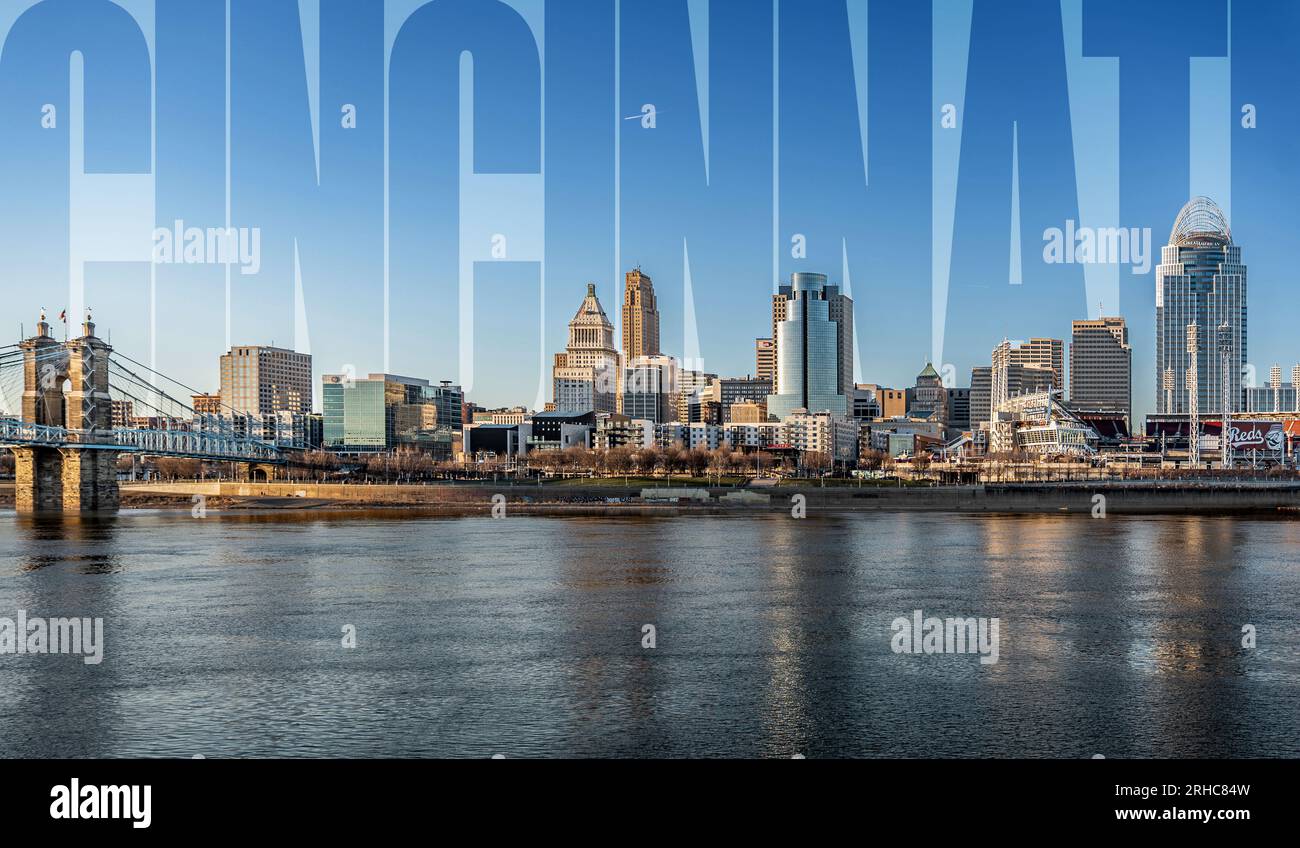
<point>1178,240</point>
<point>418,381</point>
<point>868,198</point>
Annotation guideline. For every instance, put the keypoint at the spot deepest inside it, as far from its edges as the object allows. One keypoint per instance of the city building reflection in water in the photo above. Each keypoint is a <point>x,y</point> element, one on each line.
<point>85,542</point>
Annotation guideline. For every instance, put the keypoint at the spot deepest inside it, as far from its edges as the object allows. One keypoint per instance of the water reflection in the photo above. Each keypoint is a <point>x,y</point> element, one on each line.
<point>84,541</point>
<point>524,635</point>
<point>62,566</point>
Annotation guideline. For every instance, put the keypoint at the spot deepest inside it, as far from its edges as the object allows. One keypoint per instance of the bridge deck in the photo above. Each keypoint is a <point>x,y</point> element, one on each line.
<point>189,444</point>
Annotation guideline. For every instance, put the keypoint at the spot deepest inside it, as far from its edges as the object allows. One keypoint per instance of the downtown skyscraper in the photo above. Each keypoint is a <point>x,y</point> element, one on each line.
<point>1101,365</point>
<point>640,317</point>
<point>585,375</point>
<point>1200,283</point>
<point>840,309</point>
<point>259,380</point>
<point>808,350</point>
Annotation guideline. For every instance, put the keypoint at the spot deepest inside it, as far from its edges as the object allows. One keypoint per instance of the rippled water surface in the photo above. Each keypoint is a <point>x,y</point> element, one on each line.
<point>523,636</point>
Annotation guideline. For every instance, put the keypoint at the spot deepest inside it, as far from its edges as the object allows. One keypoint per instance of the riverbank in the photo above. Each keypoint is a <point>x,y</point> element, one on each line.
<point>604,499</point>
<point>607,498</point>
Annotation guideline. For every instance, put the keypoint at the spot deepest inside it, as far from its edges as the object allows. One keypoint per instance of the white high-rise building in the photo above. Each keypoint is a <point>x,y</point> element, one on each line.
<point>1200,281</point>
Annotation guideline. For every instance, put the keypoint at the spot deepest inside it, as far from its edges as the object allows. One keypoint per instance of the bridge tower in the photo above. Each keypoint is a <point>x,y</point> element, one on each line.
<point>66,385</point>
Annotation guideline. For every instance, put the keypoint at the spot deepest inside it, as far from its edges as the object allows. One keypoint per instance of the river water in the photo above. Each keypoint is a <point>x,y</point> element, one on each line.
<point>524,636</point>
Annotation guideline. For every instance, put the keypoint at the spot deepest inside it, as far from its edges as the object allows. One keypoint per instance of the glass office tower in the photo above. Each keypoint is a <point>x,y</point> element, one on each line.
<point>807,353</point>
<point>384,411</point>
<point>1201,281</point>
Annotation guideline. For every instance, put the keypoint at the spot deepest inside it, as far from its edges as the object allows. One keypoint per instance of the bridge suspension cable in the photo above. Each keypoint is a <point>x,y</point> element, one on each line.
<point>135,379</point>
<point>12,374</point>
<point>181,432</point>
<point>116,354</point>
<point>178,409</point>
<point>146,405</point>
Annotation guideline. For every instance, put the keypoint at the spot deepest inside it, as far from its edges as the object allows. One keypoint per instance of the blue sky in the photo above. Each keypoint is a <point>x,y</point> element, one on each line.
<point>498,162</point>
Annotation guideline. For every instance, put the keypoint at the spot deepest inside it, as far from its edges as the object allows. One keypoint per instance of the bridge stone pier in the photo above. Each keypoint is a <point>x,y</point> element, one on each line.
<point>66,384</point>
<point>260,473</point>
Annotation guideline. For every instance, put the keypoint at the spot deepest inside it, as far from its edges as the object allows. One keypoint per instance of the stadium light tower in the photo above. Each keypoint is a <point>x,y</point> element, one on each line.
<point>1193,396</point>
<point>1225,355</point>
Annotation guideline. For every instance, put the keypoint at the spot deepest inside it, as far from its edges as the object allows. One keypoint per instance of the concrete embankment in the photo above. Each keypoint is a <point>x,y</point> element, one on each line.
<point>1119,497</point>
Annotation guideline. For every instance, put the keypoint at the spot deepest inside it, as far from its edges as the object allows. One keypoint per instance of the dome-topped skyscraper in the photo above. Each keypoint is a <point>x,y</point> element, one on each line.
<point>1200,223</point>
<point>1200,281</point>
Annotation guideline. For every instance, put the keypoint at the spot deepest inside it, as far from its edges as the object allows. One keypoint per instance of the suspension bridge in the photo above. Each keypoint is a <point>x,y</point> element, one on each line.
<point>58,405</point>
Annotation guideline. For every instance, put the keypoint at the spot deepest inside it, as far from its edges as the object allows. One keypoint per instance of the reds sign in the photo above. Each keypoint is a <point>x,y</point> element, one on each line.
<point>1256,435</point>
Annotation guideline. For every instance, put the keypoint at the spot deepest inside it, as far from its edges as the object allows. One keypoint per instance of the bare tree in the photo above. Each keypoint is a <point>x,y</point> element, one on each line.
<point>720,461</point>
<point>697,459</point>
<point>818,461</point>
<point>376,465</point>
<point>672,457</point>
<point>619,461</point>
<point>647,459</point>
<point>541,460</point>
<point>578,458</point>
<point>174,468</point>
<point>872,459</point>
<point>319,460</point>
<point>414,464</point>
